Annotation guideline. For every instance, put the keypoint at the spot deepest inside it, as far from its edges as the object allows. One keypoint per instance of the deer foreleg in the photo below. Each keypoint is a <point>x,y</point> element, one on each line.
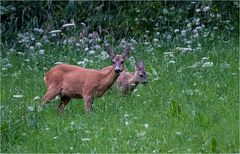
<point>88,100</point>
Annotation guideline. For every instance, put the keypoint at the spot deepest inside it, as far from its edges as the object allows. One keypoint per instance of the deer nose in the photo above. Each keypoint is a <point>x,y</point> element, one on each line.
<point>117,70</point>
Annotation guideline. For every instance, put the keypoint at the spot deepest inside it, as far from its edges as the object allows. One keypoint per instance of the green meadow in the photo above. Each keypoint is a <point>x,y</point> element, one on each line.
<point>191,104</point>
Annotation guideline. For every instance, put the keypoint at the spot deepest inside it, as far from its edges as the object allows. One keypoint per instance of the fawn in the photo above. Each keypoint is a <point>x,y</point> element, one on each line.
<point>69,81</point>
<point>128,81</point>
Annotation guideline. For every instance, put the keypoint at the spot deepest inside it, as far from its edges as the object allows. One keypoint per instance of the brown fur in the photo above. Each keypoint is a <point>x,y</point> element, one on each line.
<point>69,81</point>
<point>128,81</point>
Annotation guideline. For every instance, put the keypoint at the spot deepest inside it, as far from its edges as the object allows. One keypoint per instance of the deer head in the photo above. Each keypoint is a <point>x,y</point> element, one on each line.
<point>118,60</point>
<point>140,74</point>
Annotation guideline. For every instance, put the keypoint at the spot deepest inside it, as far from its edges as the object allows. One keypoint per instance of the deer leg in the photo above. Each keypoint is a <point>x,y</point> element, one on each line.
<point>64,101</point>
<point>51,93</point>
<point>88,102</point>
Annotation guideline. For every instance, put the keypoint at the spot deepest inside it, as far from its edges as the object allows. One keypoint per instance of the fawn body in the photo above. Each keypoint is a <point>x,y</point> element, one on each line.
<point>128,81</point>
<point>69,81</point>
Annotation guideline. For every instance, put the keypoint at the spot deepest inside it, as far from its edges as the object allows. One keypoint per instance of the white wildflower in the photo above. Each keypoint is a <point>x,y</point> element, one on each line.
<point>36,98</point>
<point>207,64</point>
<point>30,108</point>
<point>20,53</point>
<point>198,28</point>
<point>90,35</point>
<point>81,63</point>
<point>85,139</point>
<point>54,32</point>
<point>197,21</point>
<point>205,58</point>
<point>41,52</point>
<point>146,43</point>
<point>198,10</point>
<point>195,31</point>
<point>57,63</point>
<point>47,128</point>
<point>183,32</point>
<point>146,125</point>
<point>169,37</point>
<point>31,48</point>
<point>12,50</point>
<point>212,15</point>
<point>39,45</point>
<point>141,134</point>
<point>55,137</point>
<point>72,123</point>
<point>184,49</point>
<point>176,30</point>
<point>171,62</point>
<point>86,49</point>
<point>8,65</point>
<point>178,133</point>
<point>205,9</point>
<point>195,35</point>
<point>165,11</point>
<point>78,45</point>
<point>97,46</point>
<point>188,42</point>
<point>38,30</point>
<point>91,52</point>
<point>17,96</point>
<point>54,35</point>
<point>133,41</point>
<point>158,33</point>
<point>155,40</point>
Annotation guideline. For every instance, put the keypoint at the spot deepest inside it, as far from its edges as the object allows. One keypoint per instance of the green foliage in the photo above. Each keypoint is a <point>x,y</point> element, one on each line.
<point>120,19</point>
<point>190,105</point>
<point>187,106</point>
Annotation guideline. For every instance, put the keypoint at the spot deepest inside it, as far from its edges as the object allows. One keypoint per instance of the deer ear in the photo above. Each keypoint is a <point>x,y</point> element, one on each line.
<point>126,52</point>
<point>141,64</point>
<point>111,52</point>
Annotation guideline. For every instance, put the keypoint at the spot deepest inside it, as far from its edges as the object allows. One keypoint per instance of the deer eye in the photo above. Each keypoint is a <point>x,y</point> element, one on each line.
<point>113,62</point>
<point>141,75</point>
<point>122,62</point>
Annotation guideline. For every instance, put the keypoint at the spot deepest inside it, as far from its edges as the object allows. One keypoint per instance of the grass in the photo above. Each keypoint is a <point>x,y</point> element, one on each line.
<point>182,109</point>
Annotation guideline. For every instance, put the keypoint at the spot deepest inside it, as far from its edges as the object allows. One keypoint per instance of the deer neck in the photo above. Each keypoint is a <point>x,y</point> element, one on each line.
<point>109,76</point>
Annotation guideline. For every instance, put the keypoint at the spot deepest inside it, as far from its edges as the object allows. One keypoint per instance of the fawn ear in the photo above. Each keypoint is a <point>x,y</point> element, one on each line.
<point>141,64</point>
<point>126,52</point>
<point>111,52</point>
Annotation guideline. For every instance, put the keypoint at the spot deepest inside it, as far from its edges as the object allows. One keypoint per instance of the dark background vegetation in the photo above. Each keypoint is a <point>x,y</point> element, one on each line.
<point>120,19</point>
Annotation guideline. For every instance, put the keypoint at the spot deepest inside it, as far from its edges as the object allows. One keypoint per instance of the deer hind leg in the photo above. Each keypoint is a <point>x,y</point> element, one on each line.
<point>64,101</point>
<point>52,92</point>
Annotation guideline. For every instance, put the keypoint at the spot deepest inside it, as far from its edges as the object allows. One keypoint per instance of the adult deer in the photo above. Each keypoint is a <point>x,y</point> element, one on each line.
<point>128,81</point>
<point>69,81</point>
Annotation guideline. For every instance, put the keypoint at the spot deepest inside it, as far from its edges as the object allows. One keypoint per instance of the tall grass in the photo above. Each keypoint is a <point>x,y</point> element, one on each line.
<point>191,53</point>
<point>186,107</point>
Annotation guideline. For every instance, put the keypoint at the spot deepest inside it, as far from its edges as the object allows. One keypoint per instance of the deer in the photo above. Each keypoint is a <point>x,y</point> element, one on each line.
<point>128,81</point>
<point>74,82</point>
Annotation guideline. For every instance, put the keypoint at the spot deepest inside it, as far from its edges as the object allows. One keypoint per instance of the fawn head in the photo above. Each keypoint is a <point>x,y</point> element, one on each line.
<point>118,60</point>
<point>140,75</point>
